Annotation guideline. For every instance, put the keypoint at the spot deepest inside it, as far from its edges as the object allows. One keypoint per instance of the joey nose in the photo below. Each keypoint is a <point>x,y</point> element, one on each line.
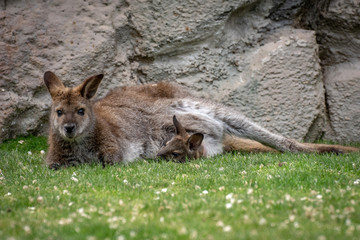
<point>69,128</point>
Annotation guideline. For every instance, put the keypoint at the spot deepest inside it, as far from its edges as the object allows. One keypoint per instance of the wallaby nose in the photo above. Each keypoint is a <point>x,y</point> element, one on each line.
<point>69,128</point>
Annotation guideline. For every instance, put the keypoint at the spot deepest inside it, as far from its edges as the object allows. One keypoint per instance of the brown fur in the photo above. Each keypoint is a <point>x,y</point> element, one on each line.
<point>132,122</point>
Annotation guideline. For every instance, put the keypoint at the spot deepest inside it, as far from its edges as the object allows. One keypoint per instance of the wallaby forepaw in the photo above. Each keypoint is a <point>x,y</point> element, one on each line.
<point>55,166</point>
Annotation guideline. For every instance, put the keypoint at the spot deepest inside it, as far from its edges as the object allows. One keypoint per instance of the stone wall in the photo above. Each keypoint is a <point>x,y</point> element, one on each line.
<point>293,66</point>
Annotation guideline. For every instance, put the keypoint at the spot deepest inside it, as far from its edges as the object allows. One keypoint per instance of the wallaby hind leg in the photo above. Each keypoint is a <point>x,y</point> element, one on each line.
<point>232,143</point>
<point>236,124</point>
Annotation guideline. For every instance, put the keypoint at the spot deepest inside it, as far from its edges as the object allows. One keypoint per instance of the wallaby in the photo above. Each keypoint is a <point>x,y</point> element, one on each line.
<point>130,123</point>
<point>185,146</point>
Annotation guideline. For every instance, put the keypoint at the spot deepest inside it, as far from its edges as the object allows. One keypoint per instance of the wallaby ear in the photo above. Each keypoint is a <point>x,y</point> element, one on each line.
<point>88,88</point>
<point>180,130</point>
<point>195,140</point>
<point>53,83</point>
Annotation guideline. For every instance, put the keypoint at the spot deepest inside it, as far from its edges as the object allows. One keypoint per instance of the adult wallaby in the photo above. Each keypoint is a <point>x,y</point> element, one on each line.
<point>131,123</point>
<point>185,146</point>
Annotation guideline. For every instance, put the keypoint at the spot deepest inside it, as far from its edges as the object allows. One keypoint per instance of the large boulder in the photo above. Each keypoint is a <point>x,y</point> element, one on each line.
<point>251,55</point>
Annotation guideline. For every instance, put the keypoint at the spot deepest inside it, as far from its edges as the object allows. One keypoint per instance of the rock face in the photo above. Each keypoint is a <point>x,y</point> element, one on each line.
<point>290,65</point>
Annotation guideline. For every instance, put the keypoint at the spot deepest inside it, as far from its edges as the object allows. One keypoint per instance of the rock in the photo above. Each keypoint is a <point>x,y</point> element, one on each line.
<point>249,54</point>
<point>282,89</point>
<point>343,97</point>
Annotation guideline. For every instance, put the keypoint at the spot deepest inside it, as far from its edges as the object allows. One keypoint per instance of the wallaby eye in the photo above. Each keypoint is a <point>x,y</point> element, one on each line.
<point>81,112</point>
<point>59,113</point>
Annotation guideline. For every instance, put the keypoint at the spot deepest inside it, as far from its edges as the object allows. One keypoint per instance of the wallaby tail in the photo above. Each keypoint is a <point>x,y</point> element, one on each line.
<point>329,148</point>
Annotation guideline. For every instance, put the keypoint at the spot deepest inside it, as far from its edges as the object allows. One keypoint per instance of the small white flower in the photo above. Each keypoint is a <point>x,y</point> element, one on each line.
<point>121,237</point>
<point>161,219</point>
<point>125,181</point>
<point>243,172</point>
<point>227,228</point>
<point>262,221</point>
<point>40,199</point>
<point>357,181</point>
<point>229,196</point>
<point>42,152</point>
<point>164,190</point>
<point>29,153</point>
<point>296,225</point>
<point>287,197</point>
<point>348,222</point>
<point>228,205</point>
<point>205,192</point>
<point>250,191</point>
<point>27,229</point>
<point>220,224</point>
<point>74,179</point>
<point>21,141</point>
<point>319,196</point>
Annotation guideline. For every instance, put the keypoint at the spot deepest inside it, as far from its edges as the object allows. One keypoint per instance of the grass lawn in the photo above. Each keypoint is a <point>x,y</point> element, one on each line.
<point>233,196</point>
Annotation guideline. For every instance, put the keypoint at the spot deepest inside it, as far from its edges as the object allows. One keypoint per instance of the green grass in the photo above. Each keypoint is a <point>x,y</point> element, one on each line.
<point>233,196</point>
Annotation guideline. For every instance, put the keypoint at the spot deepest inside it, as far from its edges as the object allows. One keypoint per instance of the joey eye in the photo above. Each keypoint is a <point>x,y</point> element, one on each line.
<point>175,154</point>
<point>81,112</point>
<point>59,113</point>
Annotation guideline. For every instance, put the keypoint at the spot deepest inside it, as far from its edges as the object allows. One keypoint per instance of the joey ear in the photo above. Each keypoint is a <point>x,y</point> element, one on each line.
<point>195,140</point>
<point>180,130</point>
<point>53,83</point>
<point>88,88</point>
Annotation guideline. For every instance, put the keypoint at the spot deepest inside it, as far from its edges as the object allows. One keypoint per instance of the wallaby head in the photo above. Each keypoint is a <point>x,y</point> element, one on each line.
<point>183,145</point>
<point>72,115</point>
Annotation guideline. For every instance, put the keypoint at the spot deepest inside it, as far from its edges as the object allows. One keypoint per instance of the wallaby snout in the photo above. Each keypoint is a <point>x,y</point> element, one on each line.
<point>69,129</point>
